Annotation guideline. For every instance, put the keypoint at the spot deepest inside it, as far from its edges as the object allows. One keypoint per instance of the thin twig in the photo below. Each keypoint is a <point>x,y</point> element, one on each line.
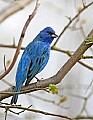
<point>82,31</point>
<point>4,63</point>
<point>69,53</point>
<point>86,65</point>
<point>35,111</point>
<point>10,46</point>
<point>6,114</point>
<point>20,111</point>
<point>21,40</point>
<point>46,100</point>
<point>6,110</point>
<point>84,107</point>
<point>84,117</point>
<point>9,84</point>
<point>3,103</point>
<point>71,22</point>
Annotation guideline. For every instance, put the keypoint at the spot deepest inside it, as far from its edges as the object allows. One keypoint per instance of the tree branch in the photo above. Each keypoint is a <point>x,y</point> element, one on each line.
<point>70,21</point>
<point>11,46</point>
<point>69,53</point>
<point>21,39</point>
<point>13,9</point>
<point>33,110</point>
<point>57,78</point>
<point>84,117</point>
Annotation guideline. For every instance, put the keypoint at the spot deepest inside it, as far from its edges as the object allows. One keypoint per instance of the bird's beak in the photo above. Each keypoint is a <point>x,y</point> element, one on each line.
<point>54,35</point>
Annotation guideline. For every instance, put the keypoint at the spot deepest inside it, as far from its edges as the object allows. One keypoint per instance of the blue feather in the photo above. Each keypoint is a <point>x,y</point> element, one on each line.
<point>34,59</point>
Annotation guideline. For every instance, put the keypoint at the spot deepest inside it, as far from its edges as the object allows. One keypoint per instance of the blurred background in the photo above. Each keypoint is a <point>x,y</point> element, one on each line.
<point>72,89</point>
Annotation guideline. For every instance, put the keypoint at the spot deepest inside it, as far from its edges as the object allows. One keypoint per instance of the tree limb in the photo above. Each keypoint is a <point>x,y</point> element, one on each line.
<point>34,110</point>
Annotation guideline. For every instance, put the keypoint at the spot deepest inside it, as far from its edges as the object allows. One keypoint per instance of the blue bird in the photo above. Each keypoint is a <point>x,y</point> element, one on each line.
<point>34,59</point>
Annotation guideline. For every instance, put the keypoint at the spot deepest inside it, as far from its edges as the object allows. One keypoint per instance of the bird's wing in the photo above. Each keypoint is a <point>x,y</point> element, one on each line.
<point>45,57</point>
<point>23,67</point>
<point>39,62</point>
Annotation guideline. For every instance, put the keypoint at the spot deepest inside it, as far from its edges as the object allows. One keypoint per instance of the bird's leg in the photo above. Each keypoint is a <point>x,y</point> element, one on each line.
<point>13,87</point>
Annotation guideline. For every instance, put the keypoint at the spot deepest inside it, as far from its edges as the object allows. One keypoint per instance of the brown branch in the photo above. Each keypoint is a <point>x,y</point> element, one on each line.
<point>70,21</point>
<point>86,65</point>
<point>11,46</point>
<point>84,117</point>
<point>13,9</point>
<point>20,111</point>
<point>47,100</point>
<point>21,39</point>
<point>7,82</point>
<point>86,98</point>
<point>24,91</point>
<point>57,78</point>
<point>35,111</point>
<point>69,53</point>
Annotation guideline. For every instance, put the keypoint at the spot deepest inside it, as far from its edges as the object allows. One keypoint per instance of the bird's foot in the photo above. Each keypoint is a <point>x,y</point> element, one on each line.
<point>13,87</point>
<point>16,105</point>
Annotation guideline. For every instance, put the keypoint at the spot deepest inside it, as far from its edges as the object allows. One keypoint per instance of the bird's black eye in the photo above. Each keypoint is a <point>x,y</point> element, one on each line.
<point>50,33</point>
<point>53,35</point>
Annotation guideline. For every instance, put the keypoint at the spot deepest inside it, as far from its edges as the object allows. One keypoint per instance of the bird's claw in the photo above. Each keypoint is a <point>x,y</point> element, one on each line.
<point>13,87</point>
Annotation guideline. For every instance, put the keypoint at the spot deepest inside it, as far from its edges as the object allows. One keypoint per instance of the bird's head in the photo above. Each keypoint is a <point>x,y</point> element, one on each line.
<point>46,35</point>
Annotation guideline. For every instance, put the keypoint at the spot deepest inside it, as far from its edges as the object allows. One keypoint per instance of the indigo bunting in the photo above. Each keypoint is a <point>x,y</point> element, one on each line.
<point>34,59</point>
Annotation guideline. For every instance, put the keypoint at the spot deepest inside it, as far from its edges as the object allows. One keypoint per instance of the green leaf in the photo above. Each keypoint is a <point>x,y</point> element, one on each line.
<point>63,99</point>
<point>89,40</point>
<point>80,9</point>
<point>8,62</point>
<point>53,88</point>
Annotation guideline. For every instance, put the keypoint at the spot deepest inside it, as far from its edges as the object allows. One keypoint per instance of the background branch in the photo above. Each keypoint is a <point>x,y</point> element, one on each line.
<point>33,110</point>
<point>68,52</point>
<point>13,8</point>
<point>70,21</point>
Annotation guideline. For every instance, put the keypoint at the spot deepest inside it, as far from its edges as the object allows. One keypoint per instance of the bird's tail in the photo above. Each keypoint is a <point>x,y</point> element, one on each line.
<point>14,99</point>
<point>15,96</point>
